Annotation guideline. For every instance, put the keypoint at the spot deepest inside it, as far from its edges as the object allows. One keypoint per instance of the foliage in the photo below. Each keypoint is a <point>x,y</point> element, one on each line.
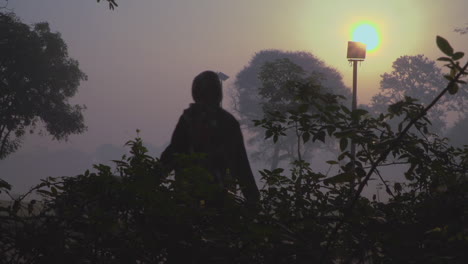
<point>140,214</point>
<point>112,4</point>
<point>418,77</point>
<point>37,78</point>
<point>267,83</point>
<point>137,215</point>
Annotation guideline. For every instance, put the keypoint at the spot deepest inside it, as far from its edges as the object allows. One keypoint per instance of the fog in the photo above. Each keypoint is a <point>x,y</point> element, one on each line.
<point>141,58</point>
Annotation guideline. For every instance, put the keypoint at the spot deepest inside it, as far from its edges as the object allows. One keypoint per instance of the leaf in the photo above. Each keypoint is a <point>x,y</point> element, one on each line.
<point>444,59</point>
<point>340,178</point>
<point>453,89</point>
<point>320,136</point>
<point>275,138</point>
<point>397,187</point>
<point>458,55</point>
<point>305,137</point>
<point>444,46</point>
<point>387,189</point>
<point>360,112</point>
<point>31,206</point>
<point>409,176</point>
<point>332,162</point>
<point>54,191</point>
<point>453,72</point>
<point>380,220</point>
<point>360,172</point>
<point>277,171</point>
<point>44,192</point>
<point>303,108</point>
<point>330,130</point>
<point>343,155</point>
<point>5,185</point>
<point>345,109</point>
<point>435,230</point>
<point>343,144</point>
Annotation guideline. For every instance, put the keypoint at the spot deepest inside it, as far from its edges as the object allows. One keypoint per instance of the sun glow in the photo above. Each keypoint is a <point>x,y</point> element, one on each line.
<point>367,33</point>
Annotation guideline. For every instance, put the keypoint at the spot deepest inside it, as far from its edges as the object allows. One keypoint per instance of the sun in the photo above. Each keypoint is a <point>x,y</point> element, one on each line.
<point>367,33</point>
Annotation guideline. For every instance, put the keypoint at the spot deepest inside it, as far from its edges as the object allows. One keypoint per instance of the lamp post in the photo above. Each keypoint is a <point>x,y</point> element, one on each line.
<point>356,53</point>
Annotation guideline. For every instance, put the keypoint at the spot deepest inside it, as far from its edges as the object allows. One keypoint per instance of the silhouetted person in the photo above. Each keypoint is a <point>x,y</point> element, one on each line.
<point>205,127</point>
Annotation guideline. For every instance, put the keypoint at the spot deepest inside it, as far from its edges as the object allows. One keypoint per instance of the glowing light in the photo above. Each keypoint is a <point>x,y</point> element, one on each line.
<point>367,33</point>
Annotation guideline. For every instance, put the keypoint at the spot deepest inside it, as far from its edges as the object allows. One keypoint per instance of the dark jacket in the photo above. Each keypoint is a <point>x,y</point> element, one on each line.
<point>215,132</point>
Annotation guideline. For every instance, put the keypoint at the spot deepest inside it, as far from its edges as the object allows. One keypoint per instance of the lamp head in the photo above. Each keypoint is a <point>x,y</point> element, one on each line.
<point>356,51</point>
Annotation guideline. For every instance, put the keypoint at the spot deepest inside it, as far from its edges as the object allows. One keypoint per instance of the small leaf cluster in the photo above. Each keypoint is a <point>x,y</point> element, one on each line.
<point>453,63</point>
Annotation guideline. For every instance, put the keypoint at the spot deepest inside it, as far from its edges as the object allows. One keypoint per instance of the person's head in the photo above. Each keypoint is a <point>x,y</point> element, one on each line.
<point>207,88</point>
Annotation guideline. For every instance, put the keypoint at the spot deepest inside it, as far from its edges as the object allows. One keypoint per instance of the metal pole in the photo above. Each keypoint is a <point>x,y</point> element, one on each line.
<point>353,107</point>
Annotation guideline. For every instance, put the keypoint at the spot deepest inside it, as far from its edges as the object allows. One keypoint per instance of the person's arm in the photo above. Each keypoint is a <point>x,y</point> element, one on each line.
<point>179,144</point>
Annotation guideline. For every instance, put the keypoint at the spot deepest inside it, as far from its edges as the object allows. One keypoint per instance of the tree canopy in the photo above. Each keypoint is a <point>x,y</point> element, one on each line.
<point>418,77</point>
<point>247,83</point>
<point>37,79</point>
<point>267,83</point>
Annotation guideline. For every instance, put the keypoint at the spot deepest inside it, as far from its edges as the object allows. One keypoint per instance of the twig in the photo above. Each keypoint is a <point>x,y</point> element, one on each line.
<point>378,173</point>
<point>387,164</point>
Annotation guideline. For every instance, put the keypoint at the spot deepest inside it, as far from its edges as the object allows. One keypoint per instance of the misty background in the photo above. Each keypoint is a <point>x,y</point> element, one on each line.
<point>141,58</point>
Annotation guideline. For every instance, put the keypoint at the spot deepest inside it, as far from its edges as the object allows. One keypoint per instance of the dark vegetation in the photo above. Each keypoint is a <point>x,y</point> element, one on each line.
<point>37,78</point>
<point>137,213</point>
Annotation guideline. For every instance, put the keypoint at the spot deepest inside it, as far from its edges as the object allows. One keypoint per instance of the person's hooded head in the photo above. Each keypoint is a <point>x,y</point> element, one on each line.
<point>207,88</point>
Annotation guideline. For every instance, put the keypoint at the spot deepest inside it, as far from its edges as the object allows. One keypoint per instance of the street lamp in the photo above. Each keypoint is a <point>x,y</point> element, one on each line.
<point>356,53</point>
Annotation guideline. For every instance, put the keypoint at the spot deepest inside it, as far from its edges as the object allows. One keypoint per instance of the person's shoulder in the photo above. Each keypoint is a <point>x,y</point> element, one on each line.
<point>229,117</point>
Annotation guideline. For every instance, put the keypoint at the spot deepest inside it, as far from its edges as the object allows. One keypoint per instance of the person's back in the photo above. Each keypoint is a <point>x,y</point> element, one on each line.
<point>207,128</point>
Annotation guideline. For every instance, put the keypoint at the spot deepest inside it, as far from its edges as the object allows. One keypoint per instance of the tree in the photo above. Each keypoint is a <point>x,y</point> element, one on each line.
<point>418,77</point>
<point>279,79</point>
<point>37,78</point>
<point>265,84</point>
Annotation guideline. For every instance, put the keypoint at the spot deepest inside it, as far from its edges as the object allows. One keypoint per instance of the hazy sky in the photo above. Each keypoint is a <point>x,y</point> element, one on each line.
<point>142,57</point>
